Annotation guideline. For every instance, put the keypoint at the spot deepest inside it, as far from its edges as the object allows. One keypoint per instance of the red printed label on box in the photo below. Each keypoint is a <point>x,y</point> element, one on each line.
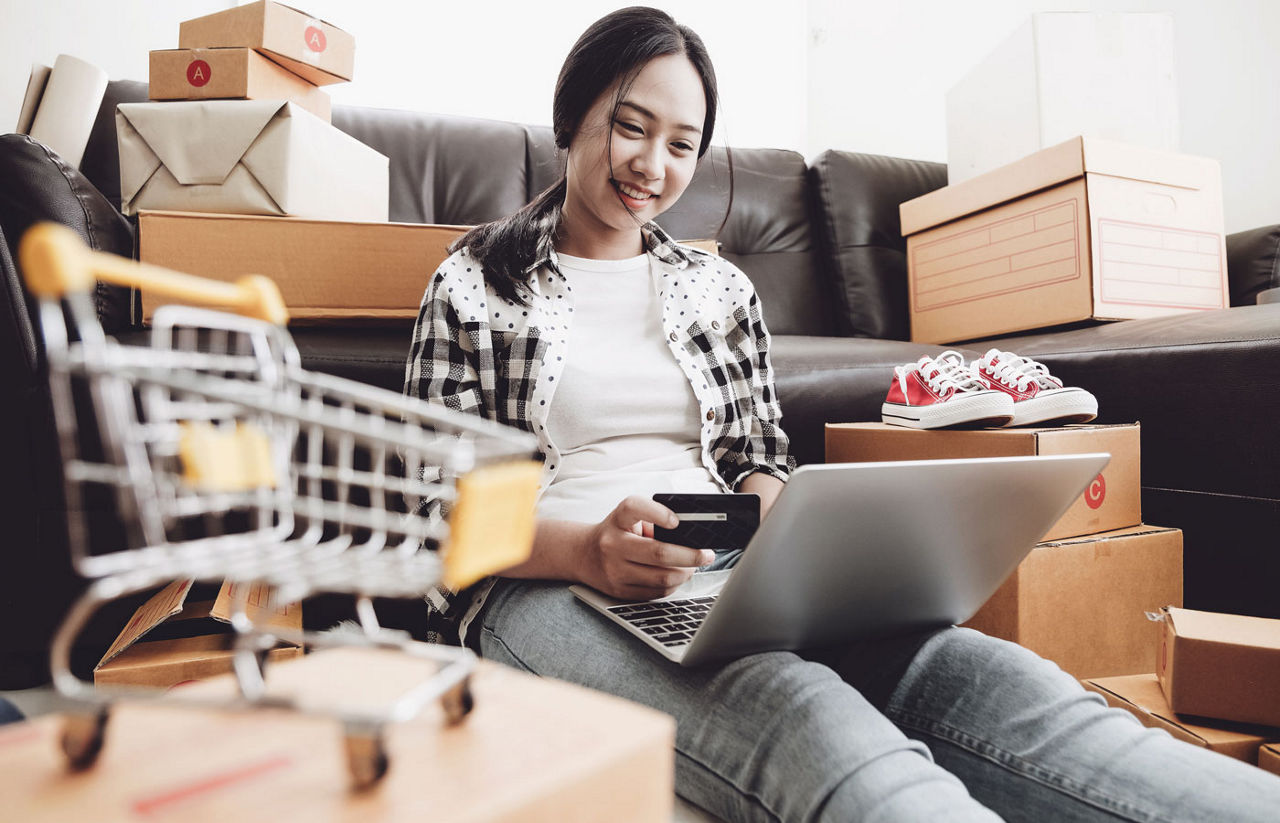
<point>315,39</point>
<point>198,73</point>
<point>1096,494</point>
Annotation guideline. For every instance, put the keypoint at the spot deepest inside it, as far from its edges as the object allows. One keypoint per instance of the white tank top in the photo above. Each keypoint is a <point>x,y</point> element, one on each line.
<point>624,416</point>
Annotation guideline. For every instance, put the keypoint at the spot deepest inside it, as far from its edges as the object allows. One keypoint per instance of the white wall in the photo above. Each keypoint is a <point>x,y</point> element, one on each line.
<point>492,58</point>
<point>862,75</point>
<point>878,74</point>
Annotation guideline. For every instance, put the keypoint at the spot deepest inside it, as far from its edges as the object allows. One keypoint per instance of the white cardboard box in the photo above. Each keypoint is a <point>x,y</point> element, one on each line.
<point>1062,74</point>
<point>246,157</point>
<point>1087,229</point>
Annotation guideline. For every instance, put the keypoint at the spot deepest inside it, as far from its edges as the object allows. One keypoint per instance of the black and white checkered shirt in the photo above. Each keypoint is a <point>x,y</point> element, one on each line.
<point>476,352</point>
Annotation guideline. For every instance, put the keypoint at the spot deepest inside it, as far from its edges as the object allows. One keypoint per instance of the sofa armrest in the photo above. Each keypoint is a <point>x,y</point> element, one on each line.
<point>1253,263</point>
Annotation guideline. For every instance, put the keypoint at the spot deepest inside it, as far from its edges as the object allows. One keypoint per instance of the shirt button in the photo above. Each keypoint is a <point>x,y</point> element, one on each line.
<point>715,325</point>
<point>711,415</point>
<point>672,337</point>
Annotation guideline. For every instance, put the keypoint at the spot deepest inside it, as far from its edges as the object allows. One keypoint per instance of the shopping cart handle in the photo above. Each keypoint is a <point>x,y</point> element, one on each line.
<point>55,262</point>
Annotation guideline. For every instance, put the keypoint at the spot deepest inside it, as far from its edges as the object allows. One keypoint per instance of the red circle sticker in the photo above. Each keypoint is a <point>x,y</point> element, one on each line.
<point>315,38</point>
<point>1096,493</point>
<point>198,73</point>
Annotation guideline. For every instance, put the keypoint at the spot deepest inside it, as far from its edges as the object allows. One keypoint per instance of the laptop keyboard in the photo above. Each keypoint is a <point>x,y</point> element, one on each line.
<point>670,622</point>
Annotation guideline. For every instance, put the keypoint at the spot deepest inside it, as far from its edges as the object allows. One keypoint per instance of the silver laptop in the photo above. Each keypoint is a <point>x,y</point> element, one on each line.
<point>854,550</point>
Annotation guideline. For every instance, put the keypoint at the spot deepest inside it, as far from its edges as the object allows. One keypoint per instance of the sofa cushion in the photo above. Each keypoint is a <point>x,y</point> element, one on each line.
<point>445,169</point>
<point>39,185</point>
<point>857,198</point>
<point>1253,263</point>
<point>767,233</point>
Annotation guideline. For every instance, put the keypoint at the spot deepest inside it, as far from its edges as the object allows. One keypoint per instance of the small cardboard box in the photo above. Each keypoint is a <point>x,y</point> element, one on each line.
<point>534,749</point>
<point>1140,695</point>
<point>170,641</point>
<point>311,48</point>
<point>1087,229</point>
<point>1225,666</point>
<point>1269,758</point>
<point>325,269</point>
<point>246,157</point>
<point>1082,602</point>
<point>1063,74</point>
<point>230,74</point>
<point>1112,501</point>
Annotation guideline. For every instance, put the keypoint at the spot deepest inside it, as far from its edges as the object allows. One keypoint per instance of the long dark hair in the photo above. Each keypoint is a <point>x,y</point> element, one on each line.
<point>614,49</point>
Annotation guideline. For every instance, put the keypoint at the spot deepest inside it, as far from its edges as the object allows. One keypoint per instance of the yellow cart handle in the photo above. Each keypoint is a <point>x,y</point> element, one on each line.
<point>55,262</point>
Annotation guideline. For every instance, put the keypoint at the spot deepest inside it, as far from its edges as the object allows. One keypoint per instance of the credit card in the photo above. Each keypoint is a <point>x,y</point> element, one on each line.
<point>710,521</point>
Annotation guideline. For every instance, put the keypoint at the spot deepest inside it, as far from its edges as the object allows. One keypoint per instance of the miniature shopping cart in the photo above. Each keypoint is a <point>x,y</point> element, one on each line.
<point>224,460</point>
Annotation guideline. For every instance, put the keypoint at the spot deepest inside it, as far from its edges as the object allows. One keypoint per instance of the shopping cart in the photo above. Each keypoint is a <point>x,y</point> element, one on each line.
<point>224,460</point>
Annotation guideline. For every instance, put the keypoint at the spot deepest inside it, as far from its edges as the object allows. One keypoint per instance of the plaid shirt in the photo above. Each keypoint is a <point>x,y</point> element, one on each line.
<point>476,352</point>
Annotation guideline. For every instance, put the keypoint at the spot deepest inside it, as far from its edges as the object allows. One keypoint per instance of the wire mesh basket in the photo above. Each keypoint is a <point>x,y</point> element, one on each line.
<point>222,459</point>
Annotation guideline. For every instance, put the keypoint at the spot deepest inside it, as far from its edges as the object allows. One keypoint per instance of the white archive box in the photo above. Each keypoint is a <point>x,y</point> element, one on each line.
<point>246,157</point>
<point>1061,75</point>
<point>1085,230</point>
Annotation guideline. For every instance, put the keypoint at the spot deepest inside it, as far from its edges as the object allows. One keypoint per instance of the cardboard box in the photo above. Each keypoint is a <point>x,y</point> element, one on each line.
<point>534,749</point>
<point>311,48</point>
<point>1225,666</point>
<point>1141,696</point>
<point>246,157</point>
<point>230,74</point>
<point>1269,758</point>
<point>325,269</point>
<point>1060,75</point>
<point>1082,602</point>
<point>1087,229</point>
<point>314,262</point>
<point>1112,501</point>
<point>170,641</point>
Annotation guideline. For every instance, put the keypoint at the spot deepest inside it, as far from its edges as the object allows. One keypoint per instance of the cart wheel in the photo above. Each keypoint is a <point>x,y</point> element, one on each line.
<point>82,738</point>
<point>458,702</point>
<point>366,759</point>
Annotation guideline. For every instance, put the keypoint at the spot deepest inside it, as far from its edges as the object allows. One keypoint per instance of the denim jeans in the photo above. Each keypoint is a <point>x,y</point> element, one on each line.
<point>946,725</point>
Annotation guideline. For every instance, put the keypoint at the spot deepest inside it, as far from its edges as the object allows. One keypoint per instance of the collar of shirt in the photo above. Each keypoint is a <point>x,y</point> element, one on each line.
<point>656,241</point>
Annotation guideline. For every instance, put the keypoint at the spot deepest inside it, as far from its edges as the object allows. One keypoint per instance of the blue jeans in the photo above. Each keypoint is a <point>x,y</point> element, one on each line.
<point>947,725</point>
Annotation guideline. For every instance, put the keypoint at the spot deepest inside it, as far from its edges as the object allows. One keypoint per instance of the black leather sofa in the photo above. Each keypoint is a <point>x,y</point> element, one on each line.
<point>821,243</point>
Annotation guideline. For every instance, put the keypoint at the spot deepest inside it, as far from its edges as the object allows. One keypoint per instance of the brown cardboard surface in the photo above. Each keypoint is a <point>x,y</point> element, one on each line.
<point>1140,695</point>
<point>533,749</point>
<point>1114,501</point>
<point>318,51</point>
<point>1082,602</point>
<point>230,74</point>
<point>1223,666</point>
<point>1269,758</point>
<point>316,263</point>
<point>1087,229</point>
<point>135,660</point>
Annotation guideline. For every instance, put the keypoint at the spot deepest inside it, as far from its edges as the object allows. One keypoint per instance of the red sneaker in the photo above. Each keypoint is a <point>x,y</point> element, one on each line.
<point>1038,397</point>
<point>935,393</point>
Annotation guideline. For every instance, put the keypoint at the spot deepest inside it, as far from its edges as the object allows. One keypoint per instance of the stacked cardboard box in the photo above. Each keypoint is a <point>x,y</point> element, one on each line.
<point>245,128</point>
<point>1215,684</point>
<point>1079,598</point>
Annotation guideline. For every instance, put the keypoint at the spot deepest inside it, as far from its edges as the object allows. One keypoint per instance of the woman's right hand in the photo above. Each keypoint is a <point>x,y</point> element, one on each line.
<point>621,558</point>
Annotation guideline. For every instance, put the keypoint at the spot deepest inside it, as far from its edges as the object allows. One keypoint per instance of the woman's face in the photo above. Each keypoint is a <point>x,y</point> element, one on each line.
<point>655,137</point>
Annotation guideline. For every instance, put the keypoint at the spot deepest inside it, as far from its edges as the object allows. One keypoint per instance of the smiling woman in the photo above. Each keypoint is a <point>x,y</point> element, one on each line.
<point>643,367</point>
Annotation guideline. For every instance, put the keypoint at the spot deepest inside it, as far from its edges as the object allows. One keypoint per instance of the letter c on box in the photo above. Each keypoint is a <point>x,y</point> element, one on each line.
<point>1096,493</point>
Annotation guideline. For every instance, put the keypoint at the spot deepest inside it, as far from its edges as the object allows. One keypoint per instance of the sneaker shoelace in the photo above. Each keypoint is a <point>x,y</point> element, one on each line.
<point>945,370</point>
<point>1020,372</point>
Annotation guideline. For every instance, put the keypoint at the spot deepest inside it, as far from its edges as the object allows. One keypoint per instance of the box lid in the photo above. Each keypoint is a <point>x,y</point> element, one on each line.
<point>1049,167</point>
<point>1232,629</point>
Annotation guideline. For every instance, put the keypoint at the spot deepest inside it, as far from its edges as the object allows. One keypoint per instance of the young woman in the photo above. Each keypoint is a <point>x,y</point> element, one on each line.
<point>643,366</point>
